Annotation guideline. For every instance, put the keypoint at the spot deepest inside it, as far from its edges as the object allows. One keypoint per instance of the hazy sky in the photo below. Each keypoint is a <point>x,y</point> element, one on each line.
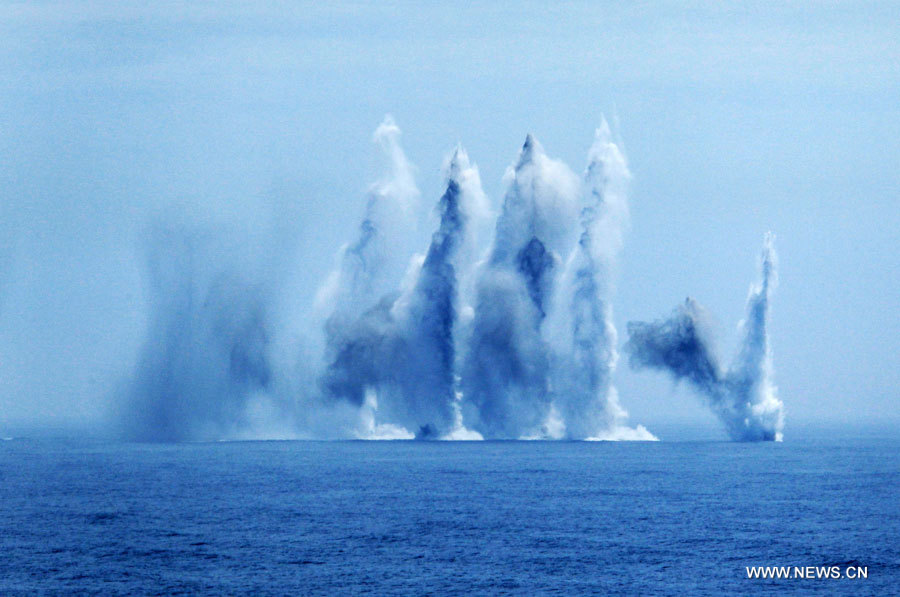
<point>736,119</point>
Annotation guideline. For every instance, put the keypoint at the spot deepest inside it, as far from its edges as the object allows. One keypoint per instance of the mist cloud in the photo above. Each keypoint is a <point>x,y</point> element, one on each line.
<point>206,350</point>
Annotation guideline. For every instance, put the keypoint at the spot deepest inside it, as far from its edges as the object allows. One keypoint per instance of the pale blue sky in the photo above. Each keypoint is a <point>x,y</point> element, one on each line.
<point>736,119</point>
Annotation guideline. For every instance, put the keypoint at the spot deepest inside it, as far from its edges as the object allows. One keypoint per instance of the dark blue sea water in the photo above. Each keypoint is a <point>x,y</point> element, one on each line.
<point>442,518</point>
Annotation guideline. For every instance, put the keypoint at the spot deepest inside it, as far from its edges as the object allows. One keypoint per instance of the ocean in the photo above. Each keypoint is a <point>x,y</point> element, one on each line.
<point>446,518</point>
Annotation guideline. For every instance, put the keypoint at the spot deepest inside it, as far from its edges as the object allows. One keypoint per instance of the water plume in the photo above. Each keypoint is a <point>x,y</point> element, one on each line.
<point>584,336</point>
<point>371,266</point>
<point>505,375</point>
<point>744,396</point>
<point>398,359</point>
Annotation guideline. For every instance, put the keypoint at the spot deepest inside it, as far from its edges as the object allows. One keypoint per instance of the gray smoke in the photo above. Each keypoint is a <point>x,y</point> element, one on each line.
<point>743,396</point>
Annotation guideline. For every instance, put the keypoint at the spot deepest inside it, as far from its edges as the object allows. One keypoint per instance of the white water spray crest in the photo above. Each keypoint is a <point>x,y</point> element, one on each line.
<point>606,213</point>
<point>398,184</point>
<point>541,200</point>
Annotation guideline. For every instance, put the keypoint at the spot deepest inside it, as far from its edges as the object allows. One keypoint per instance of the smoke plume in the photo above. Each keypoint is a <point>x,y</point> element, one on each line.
<point>743,397</point>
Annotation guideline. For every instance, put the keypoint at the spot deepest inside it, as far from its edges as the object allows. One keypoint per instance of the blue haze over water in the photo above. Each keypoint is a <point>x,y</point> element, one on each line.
<point>358,517</point>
